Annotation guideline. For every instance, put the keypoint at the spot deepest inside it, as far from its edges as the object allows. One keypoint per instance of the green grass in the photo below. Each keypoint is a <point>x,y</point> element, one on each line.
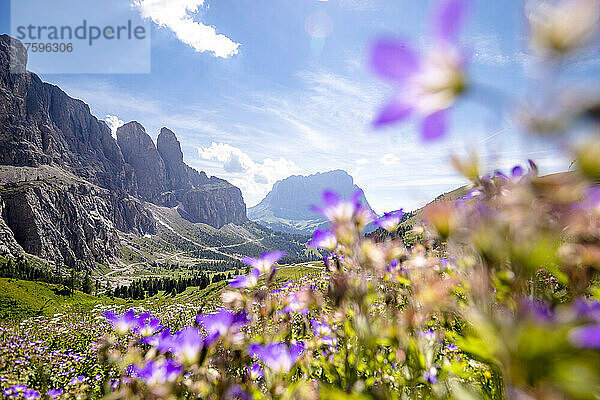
<point>21,299</point>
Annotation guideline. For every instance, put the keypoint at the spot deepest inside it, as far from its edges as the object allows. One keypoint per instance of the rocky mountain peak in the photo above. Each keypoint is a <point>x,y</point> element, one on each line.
<point>169,147</point>
<point>140,153</point>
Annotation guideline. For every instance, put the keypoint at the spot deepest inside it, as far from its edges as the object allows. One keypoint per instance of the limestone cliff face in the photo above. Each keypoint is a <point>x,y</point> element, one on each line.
<point>97,186</point>
<point>150,178</point>
<point>8,243</point>
<point>216,204</point>
<point>71,223</point>
<point>41,125</point>
<point>180,176</point>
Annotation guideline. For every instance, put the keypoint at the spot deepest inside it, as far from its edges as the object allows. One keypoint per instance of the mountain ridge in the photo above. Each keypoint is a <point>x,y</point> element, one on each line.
<point>68,187</point>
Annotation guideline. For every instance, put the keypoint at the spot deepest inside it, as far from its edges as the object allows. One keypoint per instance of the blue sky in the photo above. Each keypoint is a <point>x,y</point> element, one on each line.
<point>268,100</point>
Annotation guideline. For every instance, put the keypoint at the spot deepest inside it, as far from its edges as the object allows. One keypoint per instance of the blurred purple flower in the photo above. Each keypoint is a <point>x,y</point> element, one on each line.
<point>390,221</point>
<point>246,281</point>
<point>323,239</point>
<point>321,328</point>
<point>430,375</point>
<point>538,310</point>
<point>586,337</point>
<point>222,322</point>
<point>294,303</point>
<point>31,394</point>
<point>236,392</point>
<point>426,86</point>
<point>255,372</point>
<point>147,325</point>
<point>14,390</point>
<point>187,344</point>
<point>122,324</point>
<point>589,309</point>
<point>158,373</point>
<point>265,262</point>
<point>277,356</point>
<point>341,211</point>
<point>53,393</point>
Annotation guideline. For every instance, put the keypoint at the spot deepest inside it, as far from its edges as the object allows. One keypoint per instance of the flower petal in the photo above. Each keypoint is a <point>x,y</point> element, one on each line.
<point>393,60</point>
<point>394,111</point>
<point>434,126</point>
<point>448,19</point>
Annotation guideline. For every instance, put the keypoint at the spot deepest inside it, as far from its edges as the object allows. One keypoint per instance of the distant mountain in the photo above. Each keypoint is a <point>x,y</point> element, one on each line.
<point>287,206</point>
<point>68,190</point>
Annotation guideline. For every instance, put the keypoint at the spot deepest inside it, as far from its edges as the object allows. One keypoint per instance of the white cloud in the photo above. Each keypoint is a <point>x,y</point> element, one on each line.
<point>177,16</point>
<point>113,123</point>
<point>362,161</point>
<point>250,176</point>
<point>389,159</point>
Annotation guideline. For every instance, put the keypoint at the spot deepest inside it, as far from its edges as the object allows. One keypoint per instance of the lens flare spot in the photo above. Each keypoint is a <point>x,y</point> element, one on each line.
<point>319,25</point>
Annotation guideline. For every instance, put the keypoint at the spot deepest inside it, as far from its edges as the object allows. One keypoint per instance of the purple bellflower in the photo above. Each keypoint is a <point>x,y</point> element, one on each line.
<point>122,324</point>
<point>323,239</point>
<point>147,325</point>
<point>277,356</point>
<point>246,281</point>
<point>158,373</point>
<point>390,221</point>
<point>187,345</point>
<point>264,263</point>
<point>586,337</point>
<point>340,211</point>
<point>255,372</point>
<point>222,323</point>
<point>427,86</point>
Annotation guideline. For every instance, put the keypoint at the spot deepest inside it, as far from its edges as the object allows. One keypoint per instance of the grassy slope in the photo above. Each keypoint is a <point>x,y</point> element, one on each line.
<point>21,299</point>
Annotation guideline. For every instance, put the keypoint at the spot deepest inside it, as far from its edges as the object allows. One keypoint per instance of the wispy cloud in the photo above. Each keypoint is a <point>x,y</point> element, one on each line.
<point>177,15</point>
<point>254,178</point>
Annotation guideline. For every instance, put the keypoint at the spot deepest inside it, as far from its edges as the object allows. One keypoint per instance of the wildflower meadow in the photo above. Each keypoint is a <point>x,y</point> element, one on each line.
<point>491,295</point>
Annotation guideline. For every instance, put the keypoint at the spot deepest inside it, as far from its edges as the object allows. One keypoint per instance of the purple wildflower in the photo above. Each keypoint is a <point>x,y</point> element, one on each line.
<point>14,390</point>
<point>162,341</point>
<point>587,309</point>
<point>158,373</point>
<point>53,393</point>
<point>77,380</point>
<point>429,86</point>
<point>187,344</point>
<point>586,337</point>
<point>321,328</point>
<point>277,356</point>
<point>294,302</point>
<point>341,211</point>
<point>255,372</point>
<point>147,325</point>
<point>451,347</point>
<point>236,392</point>
<point>122,324</point>
<point>390,221</point>
<point>246,281</point>
<point>324,240</point>
<point>31,394</point>
<point>538,310</point>
<point>430,376</point>
<point>265,262</point>
<point>222,323</point>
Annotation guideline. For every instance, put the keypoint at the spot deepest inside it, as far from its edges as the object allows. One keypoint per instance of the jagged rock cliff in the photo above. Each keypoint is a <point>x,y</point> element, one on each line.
<point>150,178</point>
<point>67,187</point>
